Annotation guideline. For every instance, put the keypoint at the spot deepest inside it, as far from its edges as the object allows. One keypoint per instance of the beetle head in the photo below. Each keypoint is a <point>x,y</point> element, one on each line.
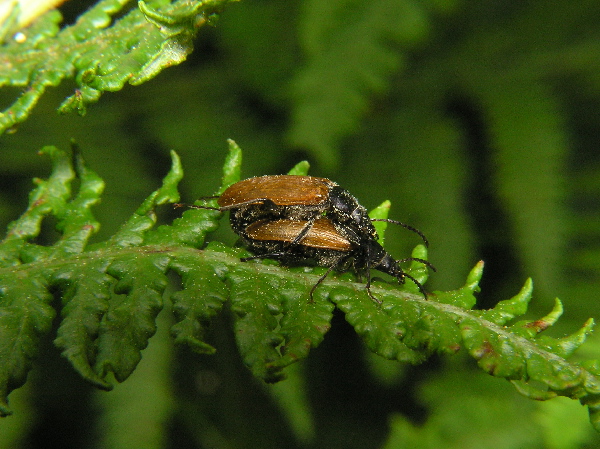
<point>372,255</point>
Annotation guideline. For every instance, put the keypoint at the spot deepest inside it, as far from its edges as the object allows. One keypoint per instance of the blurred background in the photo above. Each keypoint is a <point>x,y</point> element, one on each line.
<point>479,121</point>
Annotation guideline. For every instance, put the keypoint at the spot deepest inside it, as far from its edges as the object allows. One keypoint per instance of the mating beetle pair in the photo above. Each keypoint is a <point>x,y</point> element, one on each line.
<point>299,218</point>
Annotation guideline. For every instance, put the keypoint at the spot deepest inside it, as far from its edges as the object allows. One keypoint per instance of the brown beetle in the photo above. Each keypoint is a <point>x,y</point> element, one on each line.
<point>298,198</point>
<point>299,218</point>
<point>324,245</point>
<point>281,196</point>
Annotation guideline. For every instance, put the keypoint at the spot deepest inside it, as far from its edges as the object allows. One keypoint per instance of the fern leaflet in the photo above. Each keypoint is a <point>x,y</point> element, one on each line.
<point>101,52</point>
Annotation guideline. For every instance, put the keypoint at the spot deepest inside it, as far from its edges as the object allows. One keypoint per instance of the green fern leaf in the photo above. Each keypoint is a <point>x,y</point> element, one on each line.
<point>86,280</point>
<point>130,319</point>
<point>87,292</point>
<point>283,326</point>
<point>26,316</point>
<point>112,292</point>
<point>193,317</point>
<point>101,53</point>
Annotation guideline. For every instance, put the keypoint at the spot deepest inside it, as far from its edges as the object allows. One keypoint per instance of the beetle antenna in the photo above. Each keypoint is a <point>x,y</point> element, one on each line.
<point>416,259</point>
<point>204,198</point>
<point>404,225</point>
<point>194,206</point>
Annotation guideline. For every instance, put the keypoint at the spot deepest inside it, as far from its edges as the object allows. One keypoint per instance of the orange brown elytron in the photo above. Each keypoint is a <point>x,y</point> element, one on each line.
<point>322,234</point>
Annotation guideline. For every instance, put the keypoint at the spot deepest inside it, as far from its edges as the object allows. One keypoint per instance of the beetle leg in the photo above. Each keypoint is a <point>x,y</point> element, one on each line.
<point>368,287</point>
<point>368,269</point>
<point>322,278</point>
<point>302,233</point>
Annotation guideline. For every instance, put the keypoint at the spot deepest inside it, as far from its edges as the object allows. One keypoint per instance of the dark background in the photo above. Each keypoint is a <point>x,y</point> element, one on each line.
<point>478,120</point>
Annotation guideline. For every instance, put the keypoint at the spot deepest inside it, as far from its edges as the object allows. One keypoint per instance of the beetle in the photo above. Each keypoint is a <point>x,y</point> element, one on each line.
<point>324,245</point>
<point>299,218</point>
<point>298,198</point>
<point>303,198</point>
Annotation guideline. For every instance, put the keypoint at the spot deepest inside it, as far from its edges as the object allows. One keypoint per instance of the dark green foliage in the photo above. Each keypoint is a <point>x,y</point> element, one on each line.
<point>111,293</point>
<point>100,54</point>
<point>341,73</point>
<point>478,120</point>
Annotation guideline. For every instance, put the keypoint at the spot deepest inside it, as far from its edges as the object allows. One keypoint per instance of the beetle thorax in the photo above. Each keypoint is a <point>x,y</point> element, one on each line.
<point>346,208</point>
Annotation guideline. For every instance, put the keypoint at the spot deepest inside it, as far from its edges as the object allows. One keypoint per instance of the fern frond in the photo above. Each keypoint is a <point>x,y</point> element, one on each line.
<point>351,48</point>
<point>100,52</point>
<point>527,131</point>
<point>112,291</point>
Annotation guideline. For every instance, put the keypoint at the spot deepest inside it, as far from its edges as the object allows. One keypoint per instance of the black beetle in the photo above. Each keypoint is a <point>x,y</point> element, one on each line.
<point>324,245</point>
